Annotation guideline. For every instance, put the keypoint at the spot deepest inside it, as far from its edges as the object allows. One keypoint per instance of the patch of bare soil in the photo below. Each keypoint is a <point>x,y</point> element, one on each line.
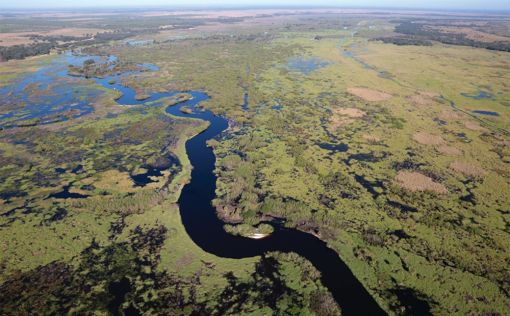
<point>369,94</point>
<point>449,150</point>
<point>415,181</point>
<point>474,126</point>
<point>425,138</point>
<point>467,169</point>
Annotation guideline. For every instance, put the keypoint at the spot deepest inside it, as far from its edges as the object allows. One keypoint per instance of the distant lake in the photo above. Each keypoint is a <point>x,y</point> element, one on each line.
<point>306,65</point>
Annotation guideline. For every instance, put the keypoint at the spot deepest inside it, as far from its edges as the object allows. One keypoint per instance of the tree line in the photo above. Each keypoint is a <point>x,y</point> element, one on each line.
<point>45,44</point>
<point>419,34</point>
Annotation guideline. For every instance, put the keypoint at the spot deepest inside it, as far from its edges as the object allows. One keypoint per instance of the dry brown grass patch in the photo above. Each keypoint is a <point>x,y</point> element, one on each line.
<point>20,38</point>
<point>425,138</point>
<point>420,100</point>
<point>109,179</point>
<point>449,115</point>
<point>344,116</point>
<point>350,112</point>
<point>369,95</point>
<point>471,34</point>
<point>371,138</point>
<point>423,98</point>
<point>449,150</point>
<point>339,121</point>
<point>474,126</point>
<point>415,181</point>
<point>467,169</point>
<point>429,94</point>
<point>11,39</point>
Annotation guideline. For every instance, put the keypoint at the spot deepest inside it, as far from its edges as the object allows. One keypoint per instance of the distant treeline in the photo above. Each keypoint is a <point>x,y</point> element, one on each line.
<point>229,38</point>
<point>418,34</point>
<point>398,40</point>
<point>44,44</point>
<point>57,38</point>
<point>22,51</point>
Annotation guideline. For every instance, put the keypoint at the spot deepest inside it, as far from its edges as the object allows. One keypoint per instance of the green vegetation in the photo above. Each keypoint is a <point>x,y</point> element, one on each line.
<point>76,228</point>
<point>153,266</point>
<point>394,238</point>
<point>261,231</point>
<point>450,33</point>
<point>378,153</point>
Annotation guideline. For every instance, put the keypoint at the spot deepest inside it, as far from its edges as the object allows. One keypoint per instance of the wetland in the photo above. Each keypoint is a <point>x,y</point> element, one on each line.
<point>308,165</point>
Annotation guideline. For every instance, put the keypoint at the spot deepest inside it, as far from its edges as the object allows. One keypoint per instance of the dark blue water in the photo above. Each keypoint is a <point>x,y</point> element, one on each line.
<point>48,94</point>
<point>490,113</point>
<point>47,106</point>
<point>206,230</point>
<point>65,194</point>
<point>62,96</point>
<point>246,102</point>
<point>277,107</point>
<point>479,96</point>
<point>334,147</point>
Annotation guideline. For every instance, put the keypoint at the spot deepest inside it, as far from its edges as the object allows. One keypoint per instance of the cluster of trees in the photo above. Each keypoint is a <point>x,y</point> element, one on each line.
<point>128,280</point>
<point>236,37</point>
<point>419,32</point>
<point>23,51</point>
<point>91,69</point>
<point>398,40</point>
<point>58,38</point>
<point>45,44</point>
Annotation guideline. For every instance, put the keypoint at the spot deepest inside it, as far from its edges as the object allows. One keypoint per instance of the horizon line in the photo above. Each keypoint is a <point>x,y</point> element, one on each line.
<point>247,7</point>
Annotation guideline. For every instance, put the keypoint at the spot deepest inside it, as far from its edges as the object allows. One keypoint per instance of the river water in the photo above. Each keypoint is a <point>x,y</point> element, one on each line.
<point>199,216</point>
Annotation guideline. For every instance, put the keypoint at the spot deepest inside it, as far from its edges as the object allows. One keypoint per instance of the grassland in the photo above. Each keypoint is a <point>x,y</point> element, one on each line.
<point>378,152</point>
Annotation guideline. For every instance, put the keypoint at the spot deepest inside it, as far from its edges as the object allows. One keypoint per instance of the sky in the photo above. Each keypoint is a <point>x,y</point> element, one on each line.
<point>439,4</point>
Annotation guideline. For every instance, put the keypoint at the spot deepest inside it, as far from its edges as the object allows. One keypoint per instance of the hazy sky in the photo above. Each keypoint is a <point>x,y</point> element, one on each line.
<point>451,4</point>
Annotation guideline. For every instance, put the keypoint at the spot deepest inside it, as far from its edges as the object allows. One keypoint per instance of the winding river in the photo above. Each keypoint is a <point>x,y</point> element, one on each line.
<point>206,230</point>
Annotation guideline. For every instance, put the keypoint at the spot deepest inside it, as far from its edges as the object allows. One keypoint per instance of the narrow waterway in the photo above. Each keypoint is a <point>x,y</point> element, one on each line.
<point>206,230</point>
<point>198,215</point>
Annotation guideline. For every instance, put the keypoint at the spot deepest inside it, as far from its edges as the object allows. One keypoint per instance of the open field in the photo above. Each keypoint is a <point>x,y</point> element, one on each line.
<point>397,156</point>
<point>20,38</point>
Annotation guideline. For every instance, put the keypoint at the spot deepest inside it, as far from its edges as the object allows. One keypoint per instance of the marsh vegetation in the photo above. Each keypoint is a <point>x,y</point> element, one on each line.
<point>375,147</point>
